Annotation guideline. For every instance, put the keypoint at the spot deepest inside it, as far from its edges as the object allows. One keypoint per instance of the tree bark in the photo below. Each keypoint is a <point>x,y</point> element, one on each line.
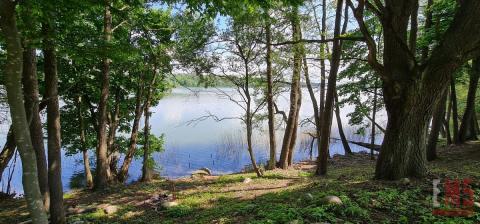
<point>13,76</point>
<point>343,138</point>
<point>57,213</point>
<point>132,146</point>
<point>294,93</point>
<point>30,89</point>
<point>271,113</point>
<point>8,151</point>
<point>453,96</point>
<point>331,90</point>
<point>467,127</point>
<point>83,143</point>
<point>102,168</point>
<point>437,122</point>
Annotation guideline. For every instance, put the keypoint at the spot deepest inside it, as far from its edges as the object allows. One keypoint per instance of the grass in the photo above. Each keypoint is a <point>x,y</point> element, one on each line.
<point>282,196</point>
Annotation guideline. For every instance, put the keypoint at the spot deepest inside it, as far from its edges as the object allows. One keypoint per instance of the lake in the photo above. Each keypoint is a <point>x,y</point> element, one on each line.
<point>216,145</point>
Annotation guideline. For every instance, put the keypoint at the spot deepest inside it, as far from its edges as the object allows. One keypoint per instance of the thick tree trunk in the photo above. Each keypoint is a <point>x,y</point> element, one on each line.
<point>403,149</point>
<point>7,152</point>
<point>453,96</point>
<point>57,213</point>
<point>467,127</point>
<point>437,122</point>
<point>13,76</point>
<point>343,138</point>
<point>294,93</point>
<point>86,159</point>
<point>331,90</point>
<point>30,89</point>
<point>102,168</point>
<point>271,113</point>
<point>132,146</point>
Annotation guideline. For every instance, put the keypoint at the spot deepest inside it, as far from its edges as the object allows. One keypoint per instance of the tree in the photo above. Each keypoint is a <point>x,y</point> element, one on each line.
<point>330,95</point>
<point>13,75</point>
<point>57,214</point>
<point>412,88</point>
<point>467,127</point>
<point>102,170</point>
<point>289,137</point>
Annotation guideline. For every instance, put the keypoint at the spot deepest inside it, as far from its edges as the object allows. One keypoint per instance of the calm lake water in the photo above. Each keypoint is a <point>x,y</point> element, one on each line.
<point>216,145</point>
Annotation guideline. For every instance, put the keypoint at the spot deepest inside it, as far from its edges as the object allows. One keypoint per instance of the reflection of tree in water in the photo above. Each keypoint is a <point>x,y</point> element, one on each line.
<point>230,147</point>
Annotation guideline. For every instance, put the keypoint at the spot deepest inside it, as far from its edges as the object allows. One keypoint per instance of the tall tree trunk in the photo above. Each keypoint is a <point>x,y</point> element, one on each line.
<point>113,154</point>
<point>57,214</point>
<point>346,146</point>
<point>453,96</point>
<point>271,113</point>
<point>374,112</point>
<point>446,121</point>
<point>294,92</point>
<point>323,56</point>
<point>147,171</point>
<point>13,75</point>
<point>102,168</point>
<point>316,112</point>
<point>331,89</point>
<point>146,166</point>
<point>83,143</point>
<point>30,89</point>
<point>293,142</point>
<point>467,127</point>
<point>8,151</point>
<point>437,122</point>
<point>132,146</point>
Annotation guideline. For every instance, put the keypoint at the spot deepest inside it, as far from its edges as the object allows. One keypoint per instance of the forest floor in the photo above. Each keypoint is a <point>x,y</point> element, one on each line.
<point>282,196</point>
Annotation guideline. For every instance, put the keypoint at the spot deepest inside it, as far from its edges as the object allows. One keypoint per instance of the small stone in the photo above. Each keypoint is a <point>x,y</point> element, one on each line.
<point>405,181</point>
<point>110,209</point>
<point>296,221</point>
<point>332,200</point>
<point>78,222</point>
<point>169,204</point>
<point>247,180</point>
<point>476,204</point>
<point>309,196</point>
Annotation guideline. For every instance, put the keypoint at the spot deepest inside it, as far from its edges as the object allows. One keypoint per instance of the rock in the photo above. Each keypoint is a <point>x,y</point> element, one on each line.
<point>206,170</point>
<point>169,204</point>
<point>405,181</point>
<point>201,172</point>
<point>332,200</point>
<point>110,209</point>
<point>296,221</point>
<point>247,180</point>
